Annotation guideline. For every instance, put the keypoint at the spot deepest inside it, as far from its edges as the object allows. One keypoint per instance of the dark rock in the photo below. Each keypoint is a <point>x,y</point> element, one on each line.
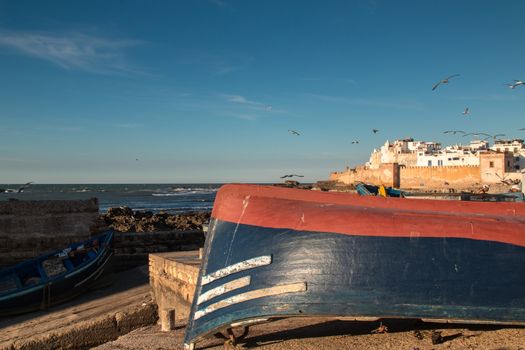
<point>120,211</point>
<point>124,220</point>
<point>436,338</point>
<point>418,334</point>
<point>142,214</point>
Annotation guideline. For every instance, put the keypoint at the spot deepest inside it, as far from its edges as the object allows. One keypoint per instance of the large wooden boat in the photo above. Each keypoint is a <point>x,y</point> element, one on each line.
<point>273,252</point>
<point>55,277</point>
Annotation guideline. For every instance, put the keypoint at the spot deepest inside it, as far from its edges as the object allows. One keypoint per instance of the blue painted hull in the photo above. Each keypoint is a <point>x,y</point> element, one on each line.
<point>442,278</point>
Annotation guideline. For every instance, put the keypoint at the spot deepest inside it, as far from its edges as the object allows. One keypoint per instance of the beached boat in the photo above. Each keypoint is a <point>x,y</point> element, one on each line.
<point>55,277</point>
<point>273,252</point>
<point>373,190</point>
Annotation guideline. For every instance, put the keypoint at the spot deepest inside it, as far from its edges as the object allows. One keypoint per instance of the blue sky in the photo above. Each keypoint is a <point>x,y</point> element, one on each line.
<point>206,90</point>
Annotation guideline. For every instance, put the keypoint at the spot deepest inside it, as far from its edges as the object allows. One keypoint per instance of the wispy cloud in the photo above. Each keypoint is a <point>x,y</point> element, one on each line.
<point>373,102</point>
<point>339,80</point>
<point>229,65</point>
<point>74,51</point>
<point>244,101</point>
<point>216,64</point>
<point>493,97</point>
<point>246,116</point>
<point>52,126</point>
<point>127,125</point>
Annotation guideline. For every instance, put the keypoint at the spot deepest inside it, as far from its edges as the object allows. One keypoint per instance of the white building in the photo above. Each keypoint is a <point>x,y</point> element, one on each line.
<point>403,152</point>
<point>408,152</point>
<point>456,155</point>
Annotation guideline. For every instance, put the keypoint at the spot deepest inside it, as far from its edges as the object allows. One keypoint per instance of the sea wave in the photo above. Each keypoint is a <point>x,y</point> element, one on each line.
<point>195,189</point>
<point>185,192</point>
<point>169,210</point>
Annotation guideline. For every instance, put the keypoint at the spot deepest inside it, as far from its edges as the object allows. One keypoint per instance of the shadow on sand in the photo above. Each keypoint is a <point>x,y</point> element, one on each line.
<point>116,282</point>
<point>323,327</point>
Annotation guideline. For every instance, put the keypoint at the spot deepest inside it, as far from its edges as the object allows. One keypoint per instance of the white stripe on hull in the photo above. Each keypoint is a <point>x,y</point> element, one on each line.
<point>253,294</point>
<point>224,288</point>
<point>238,267</point>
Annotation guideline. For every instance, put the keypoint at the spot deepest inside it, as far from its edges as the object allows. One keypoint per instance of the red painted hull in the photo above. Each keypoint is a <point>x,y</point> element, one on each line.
<point>305,210</point>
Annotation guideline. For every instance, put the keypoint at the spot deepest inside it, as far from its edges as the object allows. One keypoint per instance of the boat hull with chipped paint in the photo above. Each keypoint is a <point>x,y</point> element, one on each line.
<point>274,252</point>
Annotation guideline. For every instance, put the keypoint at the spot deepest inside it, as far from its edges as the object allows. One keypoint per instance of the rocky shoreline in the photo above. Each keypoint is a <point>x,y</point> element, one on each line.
<point>124,219</point>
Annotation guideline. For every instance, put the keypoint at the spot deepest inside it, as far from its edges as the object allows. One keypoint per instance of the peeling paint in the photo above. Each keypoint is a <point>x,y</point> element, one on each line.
<point>253,294</point>
<point>245,203</point>
<point>240,266</point>
<point>225,288</point>
<point>249,322</point>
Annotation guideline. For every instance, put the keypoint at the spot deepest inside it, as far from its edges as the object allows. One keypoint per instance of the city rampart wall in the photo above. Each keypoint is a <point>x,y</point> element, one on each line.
<point>439,176</point>
<point>386,175</point>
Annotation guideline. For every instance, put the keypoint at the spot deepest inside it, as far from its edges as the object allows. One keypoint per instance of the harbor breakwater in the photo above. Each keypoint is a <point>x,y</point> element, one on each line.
<point>31,228</point>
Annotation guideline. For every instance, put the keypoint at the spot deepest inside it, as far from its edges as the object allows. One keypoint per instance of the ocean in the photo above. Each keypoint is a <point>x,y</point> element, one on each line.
<point>170,198</point>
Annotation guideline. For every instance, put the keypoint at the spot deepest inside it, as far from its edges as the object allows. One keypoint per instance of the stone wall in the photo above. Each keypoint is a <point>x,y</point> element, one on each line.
<point>439,176</point>
<point>494,165</point>
<point>173,279</point>
<point>133,248</point>
<point>386,174</point>
<point>412,177</point>
<point>31,228</point>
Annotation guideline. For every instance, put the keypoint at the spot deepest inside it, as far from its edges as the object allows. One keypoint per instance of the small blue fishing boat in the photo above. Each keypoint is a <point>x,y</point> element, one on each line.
<point>372,190</point>
<point>55,277</point>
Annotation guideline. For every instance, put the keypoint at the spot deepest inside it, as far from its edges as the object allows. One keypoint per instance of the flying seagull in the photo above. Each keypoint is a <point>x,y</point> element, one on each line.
<point>522,129</point>
<point>453,132</point>
<point>268,108</point>
<point>291,175</point>
<point>444,81</point>
<point>355,141</point>
<point>466,111</point>
<point>19,190</point>
<point>477,134</point>
<point>24,186</point>
<point>516,83</point>
<point>504,179</point>
<point>375,131</point>
<point>495,136</point>
<point>293,132</point>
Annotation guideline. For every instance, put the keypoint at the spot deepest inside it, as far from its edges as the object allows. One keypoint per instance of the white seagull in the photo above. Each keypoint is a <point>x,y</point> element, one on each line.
<point>444,81</point>
<point>466,111</point>
<point>291,175</point>
<point>453,132</point>
<point>516,83</point>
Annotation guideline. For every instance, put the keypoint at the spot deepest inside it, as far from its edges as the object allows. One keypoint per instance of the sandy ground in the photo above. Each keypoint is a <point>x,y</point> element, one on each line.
<point>323,333</point>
